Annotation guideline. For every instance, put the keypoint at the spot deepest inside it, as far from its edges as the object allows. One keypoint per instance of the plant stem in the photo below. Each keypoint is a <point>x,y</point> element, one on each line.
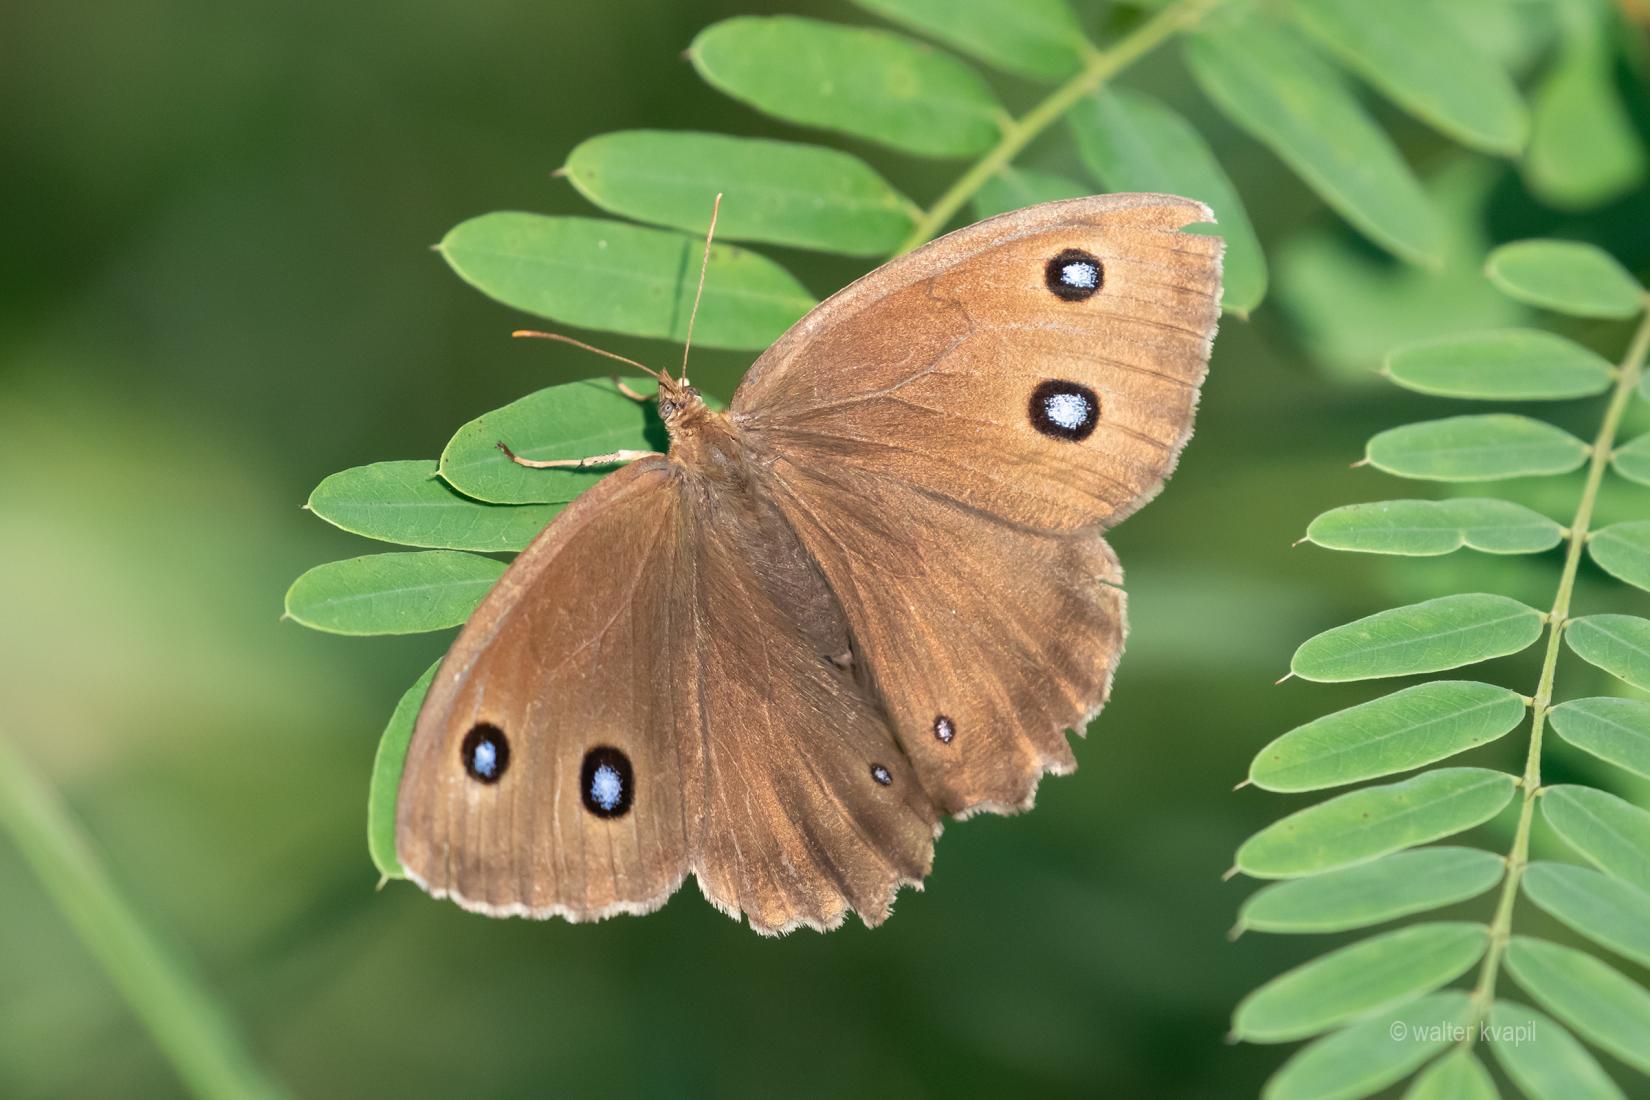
<point>1627,380</point>
<point>1018,133</point>
<point>194,1032</point>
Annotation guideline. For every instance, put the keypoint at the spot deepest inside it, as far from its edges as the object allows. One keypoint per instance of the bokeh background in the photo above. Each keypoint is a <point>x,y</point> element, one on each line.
<point>218,289</point>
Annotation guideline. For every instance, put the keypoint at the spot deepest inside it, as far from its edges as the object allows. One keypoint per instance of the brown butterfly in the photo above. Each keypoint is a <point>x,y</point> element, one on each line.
<point>873,593</point>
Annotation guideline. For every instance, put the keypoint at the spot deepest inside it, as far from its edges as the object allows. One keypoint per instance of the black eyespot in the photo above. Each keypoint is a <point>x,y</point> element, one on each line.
<point>944,729</point>
<point>1075,275</point>
<point>607,783</point>
<point>1064,410</point>
<point>485,752</point>
<point>882,775</point>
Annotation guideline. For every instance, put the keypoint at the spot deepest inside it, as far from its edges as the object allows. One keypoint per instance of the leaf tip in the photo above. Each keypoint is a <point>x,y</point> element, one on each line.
<point>1242,785</point>
<point>1229,874</point>
<point>559,173</point>
<point>1290,675</point>
<point>1235,931</point>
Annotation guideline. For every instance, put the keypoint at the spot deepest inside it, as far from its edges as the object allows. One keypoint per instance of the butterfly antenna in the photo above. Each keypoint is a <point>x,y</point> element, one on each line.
<point>704,265</point>
<point>527,333</point>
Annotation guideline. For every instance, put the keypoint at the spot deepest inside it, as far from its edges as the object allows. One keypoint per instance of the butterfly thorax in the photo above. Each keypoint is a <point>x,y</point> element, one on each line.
<point>701,438</point>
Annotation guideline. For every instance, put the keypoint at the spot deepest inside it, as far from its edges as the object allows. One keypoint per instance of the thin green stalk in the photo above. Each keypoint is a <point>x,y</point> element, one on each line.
<point>1627,380</point>
<point>1018,133</point>
<point>191,1029</point>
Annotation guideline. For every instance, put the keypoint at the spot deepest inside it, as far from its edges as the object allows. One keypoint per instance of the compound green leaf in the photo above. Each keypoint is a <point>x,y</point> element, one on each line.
<point>779,192</point>
<point>1395,733</point>
<point>1619,644</point>
<point>1567,276</point>
<point>1506,365</point>
<point>392,593</point>
<point>387,766</point>
<point>573,420</point>
<point>1270,85</point>
<point>1623,551</point>
<point>1393,886</point>
<point>406,502</point>
<point>1632,460</point>
<point>1592,997</point>
<point>1455,1076</point>
<point>1614,730</point>
<point>1476,448</point>
<point>1132,142</point>
<point>1425,65</point>
<point>1375,821</point>
<point>1610,832</point>
<point>1426,528</point>
<point>1012,188</point>
<point>1037,39</point>
<point>1583,149</point>
<point>1544,1060</point>
<point>619,277</point>
<point>1375,975</point>
<point>872,84</point>
<point>1430,636</point>
<point>1365,1058</point>
<point>1609,912</point>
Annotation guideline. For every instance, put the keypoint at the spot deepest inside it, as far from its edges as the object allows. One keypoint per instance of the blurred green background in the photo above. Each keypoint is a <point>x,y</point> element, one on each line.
<point>219,290</point>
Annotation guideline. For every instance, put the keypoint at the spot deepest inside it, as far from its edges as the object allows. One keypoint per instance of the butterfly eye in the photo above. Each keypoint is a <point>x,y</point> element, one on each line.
<point>485,752</point>
<point>607,783</point>
<point>1075,275</point>
<point>944,729</point>
<point>1064,410</point>
<point>882,775</point>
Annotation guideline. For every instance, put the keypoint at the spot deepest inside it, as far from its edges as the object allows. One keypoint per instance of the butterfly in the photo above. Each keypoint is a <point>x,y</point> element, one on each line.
<point>872,594</point>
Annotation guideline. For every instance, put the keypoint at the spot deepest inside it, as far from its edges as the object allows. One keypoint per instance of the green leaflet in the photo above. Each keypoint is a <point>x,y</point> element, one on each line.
<point>1430,636</point>
<point>1583,148</point>
<point>1037,39</point>
<point>1424,528</point>
<point>1543,1059</point>
<point>1132,142</point>
<point>1632,459</point>
<point>387,766</point>
<point>1395,733</point>
<point>1375,821</point>
<point>1623,551</point>
<point>1370,1055</point>
<point>1424,64</point>
<point>573,420</point>
<point>1606,910</point>
<point>1385,889</point>
<point>392,593</point>
<point>1476,448</point>
<point>1270,85</point>
<point>1375,975</point>
<point>1614,730</point>
<point>1506,365</point>
<point>1455,1076</point>
<point>869,83</point>
<point>1612,833</point>
<point>619,277</point>
<point>1012,188</point>
<point>1619,644</point>
<point>1567,276</point>
<point>406,502</point>
<point>778,192</point>
<point>1593,998</point>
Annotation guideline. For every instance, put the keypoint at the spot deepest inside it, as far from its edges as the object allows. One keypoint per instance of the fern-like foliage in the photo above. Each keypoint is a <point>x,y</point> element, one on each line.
<point>1284,74</point>
<point>1366,857</point>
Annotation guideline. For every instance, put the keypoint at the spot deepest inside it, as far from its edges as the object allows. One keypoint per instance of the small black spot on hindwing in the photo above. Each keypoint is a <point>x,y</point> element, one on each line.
<point>607,782</point>
<point>882,775</point>
<point>1074,275</point>
<point>1064,410</point>
<point>485,753</point>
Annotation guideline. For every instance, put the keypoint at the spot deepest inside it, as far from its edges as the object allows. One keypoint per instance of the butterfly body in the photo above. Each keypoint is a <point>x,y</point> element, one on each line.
<point>874,593</point>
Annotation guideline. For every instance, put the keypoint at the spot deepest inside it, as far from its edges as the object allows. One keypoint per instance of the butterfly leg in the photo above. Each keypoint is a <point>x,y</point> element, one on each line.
<point>630,393</point>
<point>614,459</point>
